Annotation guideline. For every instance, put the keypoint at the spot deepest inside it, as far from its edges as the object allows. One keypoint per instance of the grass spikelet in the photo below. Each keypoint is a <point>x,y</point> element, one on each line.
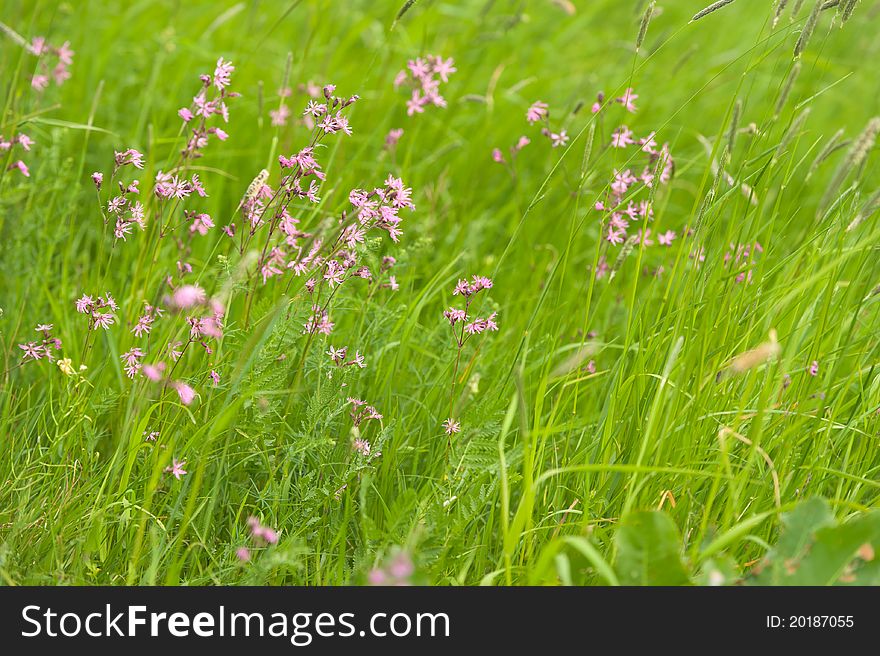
<point>255,186</point>
<point>780,7</point>
<point>795,8</point>
<point>793,130</point>
<point>720,171</point>
<point>807,30</point>
<point>871,205</point>
<point>588,152</point>
<point>715,6</point>
<point>752,358</point>
<point>734,125</point>
<point>400,14</point>
<point>18,38</point>
<point>854,158</point>
<point>833,144</point>
<point>865,141</point>
<point>625,250</point>
<point>786,88</point>
<point>643,26</point>
<point>847,10</point>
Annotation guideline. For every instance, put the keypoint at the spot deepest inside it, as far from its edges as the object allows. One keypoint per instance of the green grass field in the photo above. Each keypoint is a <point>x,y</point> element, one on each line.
<point>653,408</point>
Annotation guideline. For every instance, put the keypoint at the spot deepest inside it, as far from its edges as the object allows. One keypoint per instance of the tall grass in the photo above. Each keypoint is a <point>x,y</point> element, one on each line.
<point>676,410</point>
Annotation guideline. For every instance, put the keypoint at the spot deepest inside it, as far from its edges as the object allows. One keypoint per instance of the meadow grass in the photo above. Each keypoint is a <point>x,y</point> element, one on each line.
<point>679,380</point>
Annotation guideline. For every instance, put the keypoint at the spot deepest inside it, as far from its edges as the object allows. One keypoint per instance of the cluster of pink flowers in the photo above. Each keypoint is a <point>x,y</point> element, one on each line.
<point>376,209</point>
<point>269,212</point>
<point>127,157</point>
<point>42,348</point>
<point>398,570</point>
<point>301,175</point>
<point>320,106</point>
<point>539,112</point>
<point>469,328</point>
<point>205,319</point>
<point>168,186</point>
<point>363,447</point>
<point>200,328</point>
<point>97,309</point>
<point>209,101</point>
<point>124,209</point>
<point>327,115</point>
<point>60,72</point>
<point>261,536</point>
<point>380,209</point>
<point>619,207</point>
<point>457,315</point>
<point>627,100</point>
<point>127,211</point>
<point>25,142</point>
<point>339,355</point>
<point>360,411</point>
<point>318,322</point>
<point>423,76</point>
<point>186,297</point>
<point>132,359</point>
<point>145,322</point>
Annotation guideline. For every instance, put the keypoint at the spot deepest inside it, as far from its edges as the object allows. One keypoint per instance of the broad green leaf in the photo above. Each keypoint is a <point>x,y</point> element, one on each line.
<point>814,549</point>
<point>649,551</point>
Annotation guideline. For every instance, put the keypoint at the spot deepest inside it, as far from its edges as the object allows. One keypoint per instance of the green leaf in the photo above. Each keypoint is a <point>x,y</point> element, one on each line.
<point>648,551</point>
<point>799,525</point>
<point>814,549</point>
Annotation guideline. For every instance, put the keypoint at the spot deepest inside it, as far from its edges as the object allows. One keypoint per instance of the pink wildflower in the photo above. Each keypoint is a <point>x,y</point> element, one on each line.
<point>176,468</point>
<point>628,100</point>
<point>558,139</point>
<point>665,238</point>
<point>222,73</point>
<point>154,372</point>
<point>185,392</point>
<point>393,137</point>
<point>451,426</point>
<point>280,116</point>
<point>103,320</point>
<point>24,141</point>
<point>187,296</point>
<point>622,137</point>
<point>538,111</point>
<point>21,166</point>
<point>262,534</point>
